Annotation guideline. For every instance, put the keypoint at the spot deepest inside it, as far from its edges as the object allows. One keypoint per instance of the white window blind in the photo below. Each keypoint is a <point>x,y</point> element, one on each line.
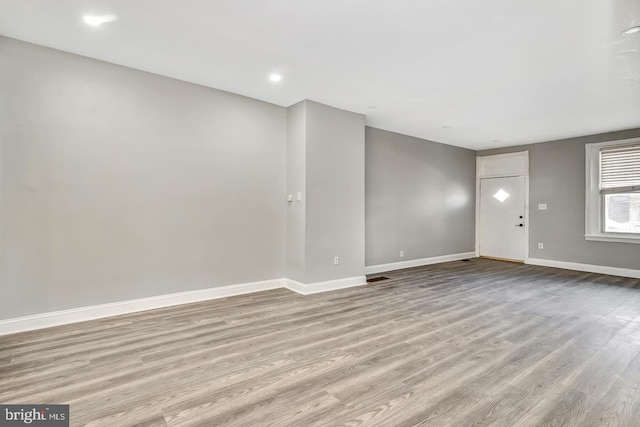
<point>620,169</point>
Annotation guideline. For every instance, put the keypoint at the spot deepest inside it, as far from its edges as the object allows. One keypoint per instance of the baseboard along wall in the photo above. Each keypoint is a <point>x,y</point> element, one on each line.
<point>81,314</point>
<point>589,268</point>
<point>372,269</point>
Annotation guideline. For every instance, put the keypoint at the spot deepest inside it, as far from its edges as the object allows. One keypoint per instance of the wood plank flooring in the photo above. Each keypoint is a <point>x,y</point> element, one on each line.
<point>457,344</point>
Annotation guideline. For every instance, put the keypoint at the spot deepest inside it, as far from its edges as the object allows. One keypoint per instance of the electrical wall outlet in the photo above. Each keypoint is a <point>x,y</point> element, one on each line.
<point>542,206</point>
<point>540,246</point>
<point>401,254</point>
<point>336,261</point>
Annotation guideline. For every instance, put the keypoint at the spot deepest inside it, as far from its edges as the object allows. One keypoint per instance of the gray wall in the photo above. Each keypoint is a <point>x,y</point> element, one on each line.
<point>118,184</point>
<point>420,198</point>
<point>557,178</point>
<point>335,193</point>
<point>296,182</point>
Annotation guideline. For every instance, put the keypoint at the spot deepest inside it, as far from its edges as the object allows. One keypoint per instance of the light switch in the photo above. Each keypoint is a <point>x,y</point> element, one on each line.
<point>290,198</point>
<point>299,195</point>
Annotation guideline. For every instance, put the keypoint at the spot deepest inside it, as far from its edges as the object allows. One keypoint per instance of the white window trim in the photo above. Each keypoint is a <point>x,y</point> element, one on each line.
<point>593,201</point>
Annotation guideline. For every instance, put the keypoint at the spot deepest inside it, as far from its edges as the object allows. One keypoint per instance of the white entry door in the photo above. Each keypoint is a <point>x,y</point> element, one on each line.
<point>502,225</point>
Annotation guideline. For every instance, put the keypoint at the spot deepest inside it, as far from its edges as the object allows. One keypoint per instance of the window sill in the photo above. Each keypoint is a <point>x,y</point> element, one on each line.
<point>610,238</point>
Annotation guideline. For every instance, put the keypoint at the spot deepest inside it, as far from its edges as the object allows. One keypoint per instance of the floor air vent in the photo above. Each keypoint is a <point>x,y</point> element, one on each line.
<point>377,279</point>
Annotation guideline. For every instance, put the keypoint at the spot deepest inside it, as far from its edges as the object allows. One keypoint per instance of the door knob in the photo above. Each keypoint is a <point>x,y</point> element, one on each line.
<point>519,225</point>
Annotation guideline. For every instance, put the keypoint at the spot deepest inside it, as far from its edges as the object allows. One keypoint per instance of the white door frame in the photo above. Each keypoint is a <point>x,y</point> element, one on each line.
<point>502,166</point>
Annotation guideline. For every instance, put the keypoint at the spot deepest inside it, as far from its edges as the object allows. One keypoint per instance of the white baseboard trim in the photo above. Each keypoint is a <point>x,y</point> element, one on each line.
<point>331,285</point>
<point>57,318</point>
<point>589,268</point>
<point>82,314</point>
<point>372,269</point>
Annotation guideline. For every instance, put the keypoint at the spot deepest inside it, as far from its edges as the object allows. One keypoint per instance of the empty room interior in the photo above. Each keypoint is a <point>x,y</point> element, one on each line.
<point>319,213</point>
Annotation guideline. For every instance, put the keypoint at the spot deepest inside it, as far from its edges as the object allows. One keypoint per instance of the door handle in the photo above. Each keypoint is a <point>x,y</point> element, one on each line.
<point>519,225</point>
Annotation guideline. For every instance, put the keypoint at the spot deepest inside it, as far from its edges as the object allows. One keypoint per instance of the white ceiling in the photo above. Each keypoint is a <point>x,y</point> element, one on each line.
<point>476,74</point>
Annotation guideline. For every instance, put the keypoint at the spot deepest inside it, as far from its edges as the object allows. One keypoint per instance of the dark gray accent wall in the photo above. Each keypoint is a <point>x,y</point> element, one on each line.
<point>118,184</point>
<point>557,178</point>
<point>419,198</point>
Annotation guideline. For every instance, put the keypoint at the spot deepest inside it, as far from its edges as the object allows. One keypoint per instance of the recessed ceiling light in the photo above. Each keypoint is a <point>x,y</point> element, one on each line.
<point>372,107</point>
<point>446,126</point>
<point>275,77</point>
<point>96,21</point>
<point>631,30</point>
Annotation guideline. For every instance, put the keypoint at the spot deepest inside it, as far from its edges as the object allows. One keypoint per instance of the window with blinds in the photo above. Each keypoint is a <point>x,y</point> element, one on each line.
<point>620,188</point>
<point>620,169</point>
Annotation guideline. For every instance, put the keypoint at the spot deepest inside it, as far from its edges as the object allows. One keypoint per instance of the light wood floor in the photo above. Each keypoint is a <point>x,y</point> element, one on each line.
<point>456,344</point>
